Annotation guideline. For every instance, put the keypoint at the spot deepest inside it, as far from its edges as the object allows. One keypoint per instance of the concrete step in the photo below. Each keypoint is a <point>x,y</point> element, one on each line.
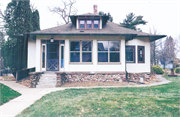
<point>42,83</point>
<point>47,78</point>
<point>48,75</point>
<point>45,86</point>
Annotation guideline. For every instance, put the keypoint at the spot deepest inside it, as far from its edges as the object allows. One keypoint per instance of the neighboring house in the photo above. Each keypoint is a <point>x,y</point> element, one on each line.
<point>90,44</point>
<point>168,64</point>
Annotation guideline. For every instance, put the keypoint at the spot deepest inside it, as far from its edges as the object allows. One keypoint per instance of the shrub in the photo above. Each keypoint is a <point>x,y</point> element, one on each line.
<point>157,69</point>
<point>177,70</point>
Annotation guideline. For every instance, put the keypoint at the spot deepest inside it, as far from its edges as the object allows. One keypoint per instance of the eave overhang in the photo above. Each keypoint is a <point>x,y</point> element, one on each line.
<point>153,37</point>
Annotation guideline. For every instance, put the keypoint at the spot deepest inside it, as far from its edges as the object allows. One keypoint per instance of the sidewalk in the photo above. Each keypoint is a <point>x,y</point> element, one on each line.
<point>30,95</point>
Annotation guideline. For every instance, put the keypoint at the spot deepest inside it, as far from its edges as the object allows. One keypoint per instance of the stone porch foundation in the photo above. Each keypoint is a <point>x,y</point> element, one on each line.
<point>63,77</point>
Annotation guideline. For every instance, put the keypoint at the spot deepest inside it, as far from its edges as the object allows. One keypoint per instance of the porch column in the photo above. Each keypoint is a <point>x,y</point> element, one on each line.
<point>38,55</point>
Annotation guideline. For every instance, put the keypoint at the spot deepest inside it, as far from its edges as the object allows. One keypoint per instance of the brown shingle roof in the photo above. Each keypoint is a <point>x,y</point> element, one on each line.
<point>109,28</point>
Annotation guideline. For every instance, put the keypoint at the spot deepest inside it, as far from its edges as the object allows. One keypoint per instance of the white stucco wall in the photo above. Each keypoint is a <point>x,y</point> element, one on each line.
<point>34,55</point>
<point>31,53</point>
<point>140,67</point>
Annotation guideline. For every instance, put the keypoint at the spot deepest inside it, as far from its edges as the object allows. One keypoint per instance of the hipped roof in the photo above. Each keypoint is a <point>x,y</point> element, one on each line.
<point>109,29</point>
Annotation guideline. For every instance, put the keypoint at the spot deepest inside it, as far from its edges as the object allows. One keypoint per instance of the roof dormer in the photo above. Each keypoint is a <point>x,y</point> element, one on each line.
<point>89,20</point>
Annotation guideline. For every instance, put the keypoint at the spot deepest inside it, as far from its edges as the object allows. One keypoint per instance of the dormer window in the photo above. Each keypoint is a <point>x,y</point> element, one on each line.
<point>89,24</point>
<point>82,24</point>
<point>96,23</point>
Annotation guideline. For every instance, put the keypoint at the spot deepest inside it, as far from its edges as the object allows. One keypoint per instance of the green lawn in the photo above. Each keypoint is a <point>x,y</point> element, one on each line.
<point>7,94</point>
<point>156,101</point>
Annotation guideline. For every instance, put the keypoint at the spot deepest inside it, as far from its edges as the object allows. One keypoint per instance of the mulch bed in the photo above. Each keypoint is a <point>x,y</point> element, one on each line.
<point>7,78</point>
<point>26,82</point>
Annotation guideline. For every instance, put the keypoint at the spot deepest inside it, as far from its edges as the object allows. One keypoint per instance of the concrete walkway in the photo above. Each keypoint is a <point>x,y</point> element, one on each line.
<point>30,95</point>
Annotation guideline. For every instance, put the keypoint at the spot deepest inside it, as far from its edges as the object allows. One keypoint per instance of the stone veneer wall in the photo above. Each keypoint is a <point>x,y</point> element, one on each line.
<point>134,76</point>
<point>63,77</point>
<point>34,76</point>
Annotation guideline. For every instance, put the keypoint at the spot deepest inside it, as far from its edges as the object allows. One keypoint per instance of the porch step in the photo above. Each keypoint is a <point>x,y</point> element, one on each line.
<point>47,80</point>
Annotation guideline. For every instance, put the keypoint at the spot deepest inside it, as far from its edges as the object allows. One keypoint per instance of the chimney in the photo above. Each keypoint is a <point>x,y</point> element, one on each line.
<point>95,9</point>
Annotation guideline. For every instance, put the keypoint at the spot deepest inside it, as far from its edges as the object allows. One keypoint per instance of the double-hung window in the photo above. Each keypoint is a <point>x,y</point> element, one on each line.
<point>74,51</point>
<point>80,51</point>
<point>141,54</point>
<point>108,51</point>
<point>89,24</point>
<point>82,23</point>
<point>130,54</point>
<point>96,23</point>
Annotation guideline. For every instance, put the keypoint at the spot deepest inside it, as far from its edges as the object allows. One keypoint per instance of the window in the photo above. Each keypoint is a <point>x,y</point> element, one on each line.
<point>80,51</point>
<point>96,23</point>
<point>130,54</point>
<point>43,55</point>
<point>89,24</point>
<point>75,51</point>
<point>82,24</point>
<point>108,51</point>
<point>62,55</point>
<point>141,54</point>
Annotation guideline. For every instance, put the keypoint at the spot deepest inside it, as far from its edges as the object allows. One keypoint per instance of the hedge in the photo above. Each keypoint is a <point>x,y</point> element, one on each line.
<point>157,69</point>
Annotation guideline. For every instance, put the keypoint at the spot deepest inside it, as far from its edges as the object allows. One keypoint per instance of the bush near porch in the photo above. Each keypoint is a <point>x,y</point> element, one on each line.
<point>156,101</point>
<point>157,69</point>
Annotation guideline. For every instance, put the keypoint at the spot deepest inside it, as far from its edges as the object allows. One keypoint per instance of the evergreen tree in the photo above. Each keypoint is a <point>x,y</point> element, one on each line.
<point>18,20</point>
<point>35,21</point>
<point>132,21</point>
<point>101,13</point>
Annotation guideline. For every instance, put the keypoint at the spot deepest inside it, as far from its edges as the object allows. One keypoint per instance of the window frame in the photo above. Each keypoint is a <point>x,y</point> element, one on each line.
<point>143,54</point>
<point>109,53</point>
<point>134,53</point>
<point>88,24</point>
<point>98,24</point>
<point>81,52</point>
<point>92,23</point>
<point>81,24</point>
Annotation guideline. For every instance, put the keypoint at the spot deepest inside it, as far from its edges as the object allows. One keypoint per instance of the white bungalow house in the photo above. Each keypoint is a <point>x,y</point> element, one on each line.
<point>90,44</point>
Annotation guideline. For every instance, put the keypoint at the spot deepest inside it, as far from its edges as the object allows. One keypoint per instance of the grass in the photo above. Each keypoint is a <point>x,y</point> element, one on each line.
<point>156,101</point>
<point>7,94</point>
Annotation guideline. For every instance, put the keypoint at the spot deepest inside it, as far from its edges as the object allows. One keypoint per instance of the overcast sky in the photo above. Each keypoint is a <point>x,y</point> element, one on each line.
<point>163,15</point>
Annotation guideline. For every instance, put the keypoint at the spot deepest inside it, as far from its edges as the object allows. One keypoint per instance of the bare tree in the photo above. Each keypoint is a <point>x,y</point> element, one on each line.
<point>154,47</point>
<point>167,52</point>
<point>65,10</point>
<point>33,7</point>
<point>1,14</point>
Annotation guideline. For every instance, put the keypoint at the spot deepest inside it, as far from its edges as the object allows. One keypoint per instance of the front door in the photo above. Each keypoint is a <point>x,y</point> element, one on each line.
<point>52,57</point>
